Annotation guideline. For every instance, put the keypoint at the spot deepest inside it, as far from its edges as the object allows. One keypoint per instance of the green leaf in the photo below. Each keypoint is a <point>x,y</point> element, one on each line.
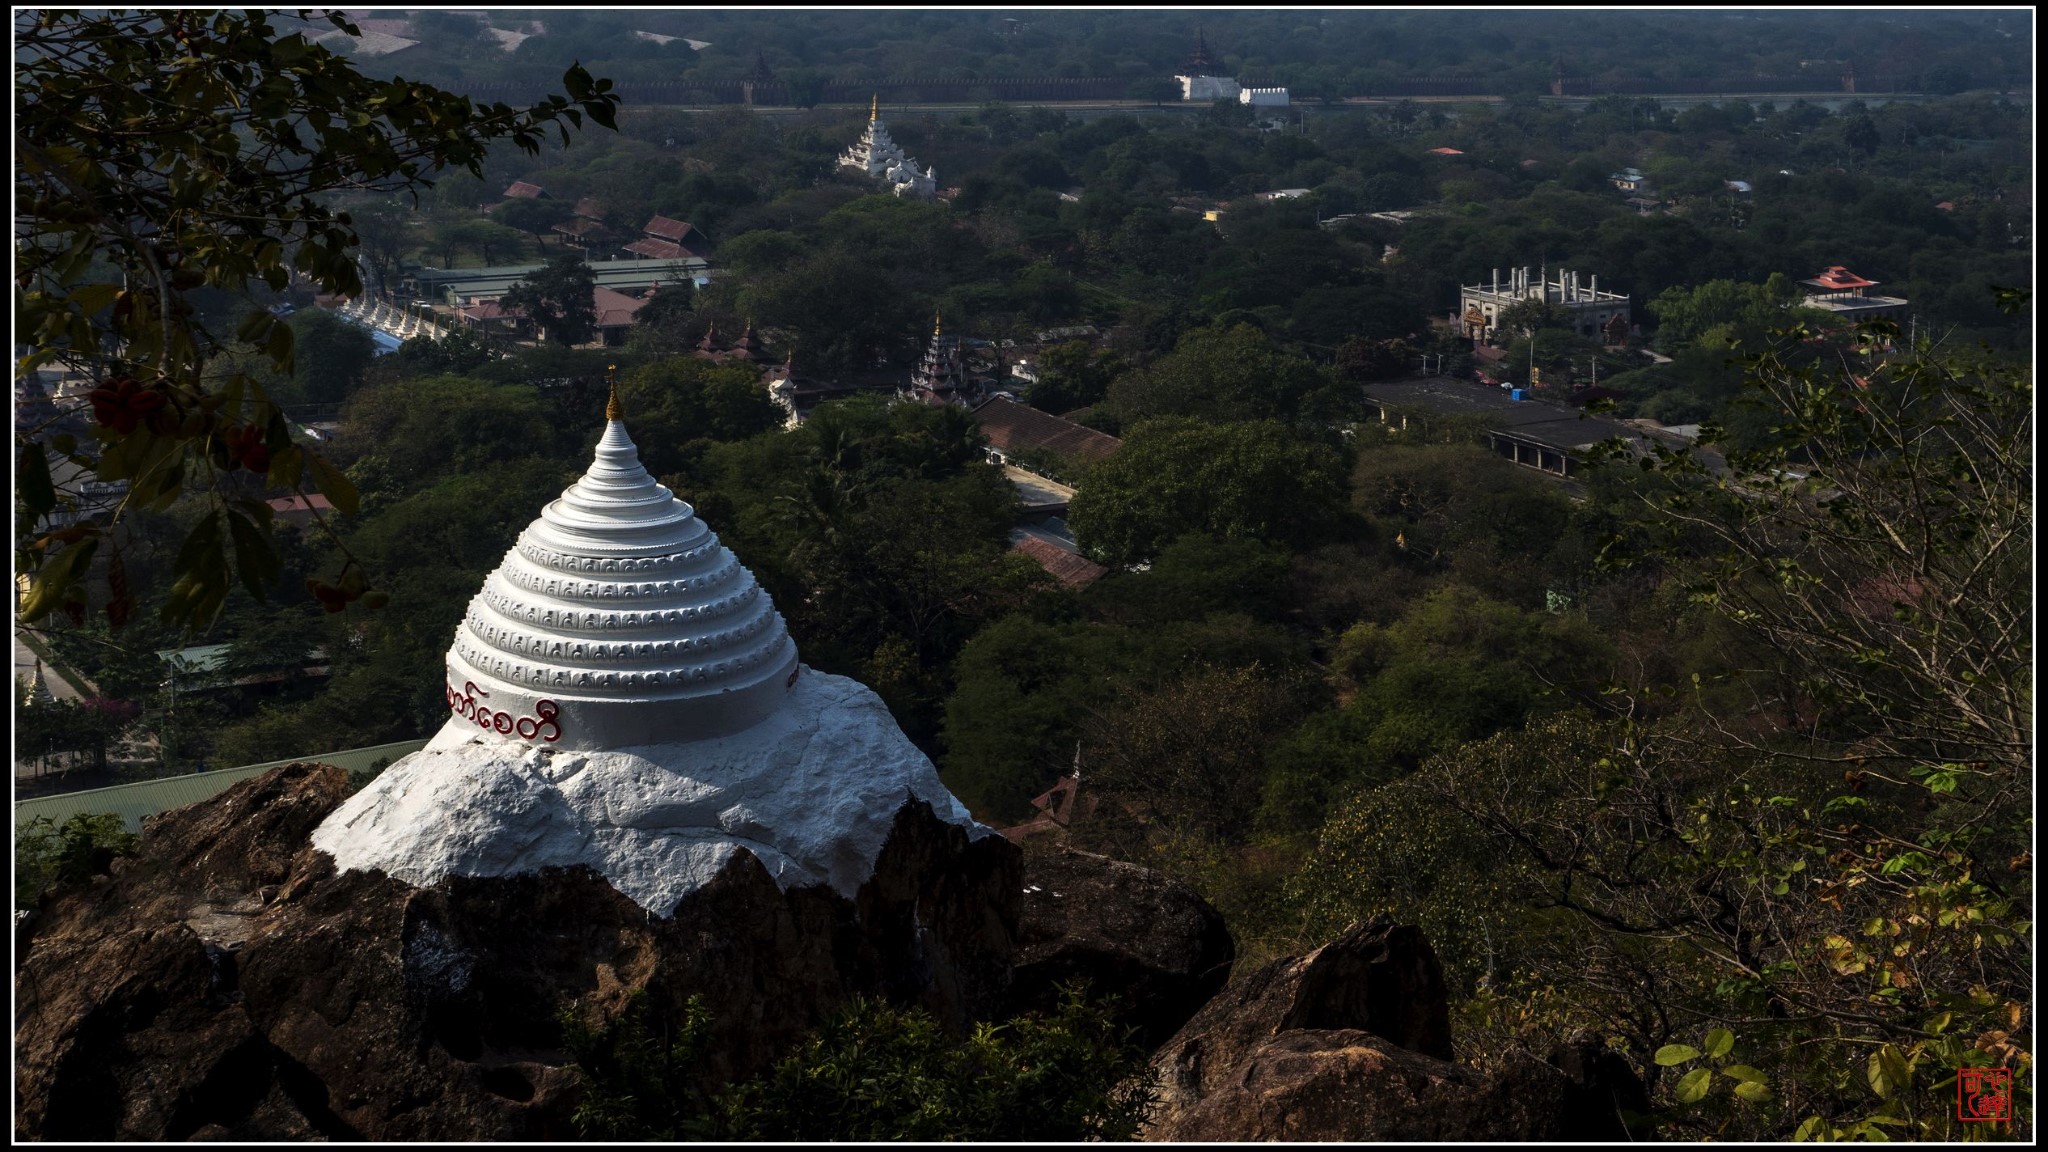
<point>90,298</point>
<point>1720,1042</point>
<point>1811,1128</point>
<point>47,588</point>
<point>1693,1086</point>
<point>1744,1073</point>
<point>287,466</point>
<point>1888,1072</point>
<point>339,491</point>
<point>1753,1091</point>
<point>1672,1055</point>
<point>256,556</point>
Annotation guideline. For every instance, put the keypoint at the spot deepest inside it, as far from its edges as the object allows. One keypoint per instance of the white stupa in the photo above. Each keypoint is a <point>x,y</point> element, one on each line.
<point>625,696</point>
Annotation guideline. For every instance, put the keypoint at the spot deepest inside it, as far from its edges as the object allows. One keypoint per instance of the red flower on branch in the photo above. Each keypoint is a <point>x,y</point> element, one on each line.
<point>125,402</point>
<point>247,448</point>
<point>331,598</point>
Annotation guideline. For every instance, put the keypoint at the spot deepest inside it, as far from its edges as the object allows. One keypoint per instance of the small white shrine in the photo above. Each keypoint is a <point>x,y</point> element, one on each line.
<point>623,695</point>
<point>881,158</point>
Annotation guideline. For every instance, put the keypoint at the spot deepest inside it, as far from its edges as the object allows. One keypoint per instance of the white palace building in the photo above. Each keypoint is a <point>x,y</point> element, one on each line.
<point>881,158</point>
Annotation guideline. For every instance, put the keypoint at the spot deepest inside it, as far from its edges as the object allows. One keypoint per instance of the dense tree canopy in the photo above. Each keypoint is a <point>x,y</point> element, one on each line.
<point>558,299</point>
<point>1252,480</point>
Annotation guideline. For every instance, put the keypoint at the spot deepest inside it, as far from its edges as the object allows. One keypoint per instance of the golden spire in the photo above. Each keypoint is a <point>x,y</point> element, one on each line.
<point>613,410</point>
<point>874,107</point>
<point>937,329</point>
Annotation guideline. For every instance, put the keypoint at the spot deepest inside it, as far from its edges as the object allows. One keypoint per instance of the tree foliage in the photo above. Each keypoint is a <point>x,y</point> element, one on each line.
<point>559,299</point>
<point>1231,373</point>
<point>165,152</point>
<point>1253,480</point>
<point>878,1073</point>
<point>1806,892</point>
<point>870,1072</point>
<point>83,846</point>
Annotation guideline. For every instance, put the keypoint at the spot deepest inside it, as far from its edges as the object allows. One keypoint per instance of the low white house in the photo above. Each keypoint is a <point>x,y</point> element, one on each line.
<point>1207,88</point>
<point>1263,97</point>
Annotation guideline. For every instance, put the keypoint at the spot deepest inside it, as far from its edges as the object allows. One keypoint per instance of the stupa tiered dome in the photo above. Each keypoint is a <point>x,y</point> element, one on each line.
<point>625,698</point>
<point>619,619</point>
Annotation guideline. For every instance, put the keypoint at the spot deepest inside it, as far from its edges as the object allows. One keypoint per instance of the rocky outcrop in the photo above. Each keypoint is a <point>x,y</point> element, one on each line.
<point>1126,931</point>
<point>1353,1042</point>
<point>1347,1084</point>
<point>228,982</point>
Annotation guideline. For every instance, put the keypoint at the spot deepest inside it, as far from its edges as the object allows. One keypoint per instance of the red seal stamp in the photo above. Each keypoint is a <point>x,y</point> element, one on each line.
<point>1983,1094</point>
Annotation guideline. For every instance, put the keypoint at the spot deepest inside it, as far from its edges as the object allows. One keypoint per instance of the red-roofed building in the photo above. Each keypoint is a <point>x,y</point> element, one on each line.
<point>488,318</point>
<point>584,234</point>
<point>1023,431</point>
<point>299,510</point>
<point>521,190</point>
<point>1069,568</point>
<point>1838,279</point>
<point>614,312</point>
<point>585,229</point>
<point>1848,295</point>
<point>1058,807</point>
<point>1445,152</point>
<point>667,239</point>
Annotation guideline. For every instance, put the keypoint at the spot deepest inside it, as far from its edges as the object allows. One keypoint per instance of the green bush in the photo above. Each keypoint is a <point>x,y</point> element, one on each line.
<point>872,1072</point>
<point>47,853</point>
<point>640,1077</point>
<point>877,1073</point>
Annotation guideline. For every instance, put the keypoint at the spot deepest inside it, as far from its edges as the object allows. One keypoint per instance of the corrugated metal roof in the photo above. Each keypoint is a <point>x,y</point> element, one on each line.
<point>668,229</point>
<point>657,249</point>
<point>132,802</point>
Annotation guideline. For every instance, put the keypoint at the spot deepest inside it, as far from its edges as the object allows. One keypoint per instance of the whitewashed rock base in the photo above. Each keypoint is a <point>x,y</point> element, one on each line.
<point>812,791</point>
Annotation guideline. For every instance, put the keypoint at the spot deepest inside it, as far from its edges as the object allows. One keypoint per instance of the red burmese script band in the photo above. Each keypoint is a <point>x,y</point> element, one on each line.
<point>527,727</point>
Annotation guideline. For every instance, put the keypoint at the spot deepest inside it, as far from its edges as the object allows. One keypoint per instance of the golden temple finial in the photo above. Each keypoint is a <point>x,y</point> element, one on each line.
<point>874,107</point>
<point>613,410</point>
<point>937,329</point>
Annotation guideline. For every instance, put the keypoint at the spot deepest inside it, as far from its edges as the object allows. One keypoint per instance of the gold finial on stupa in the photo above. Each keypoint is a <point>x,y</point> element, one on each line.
<point>937,329</point>
<point>613,410</point>
<point>874,107</point>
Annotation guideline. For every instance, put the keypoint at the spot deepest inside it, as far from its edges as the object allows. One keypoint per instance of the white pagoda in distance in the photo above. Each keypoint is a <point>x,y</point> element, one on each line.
<point>881,158</point>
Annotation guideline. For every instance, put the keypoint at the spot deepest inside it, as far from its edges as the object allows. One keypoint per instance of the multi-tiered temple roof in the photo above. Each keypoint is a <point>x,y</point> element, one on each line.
<point>941,377</point>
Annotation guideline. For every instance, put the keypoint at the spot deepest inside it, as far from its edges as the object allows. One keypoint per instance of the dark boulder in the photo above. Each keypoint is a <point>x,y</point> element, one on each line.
<point>1346,1084</point>
<point>1353,1042</point>
<point>1145,938</point>
<point>1604,1100</point>
<point>227,982</point>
